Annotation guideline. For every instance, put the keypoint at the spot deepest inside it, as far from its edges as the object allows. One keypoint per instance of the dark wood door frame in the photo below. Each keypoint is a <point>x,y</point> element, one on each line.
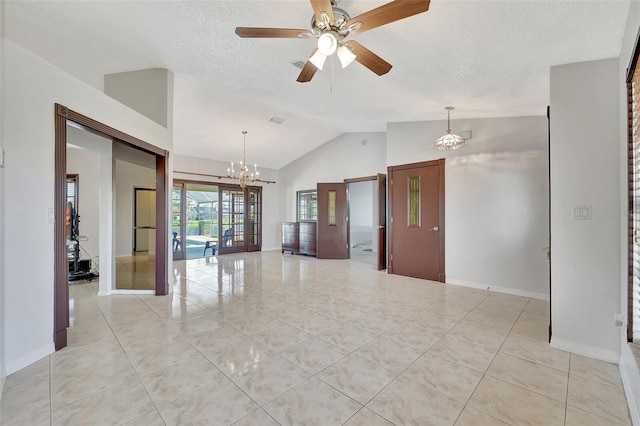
<point>62,117</point>
<point>441,232</point>
<point>381,180</point>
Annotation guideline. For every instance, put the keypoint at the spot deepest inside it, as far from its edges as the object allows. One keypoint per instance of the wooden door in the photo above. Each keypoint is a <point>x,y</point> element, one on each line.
<point>382,221</point>
<point>417,220</point>
<point>332,238</point>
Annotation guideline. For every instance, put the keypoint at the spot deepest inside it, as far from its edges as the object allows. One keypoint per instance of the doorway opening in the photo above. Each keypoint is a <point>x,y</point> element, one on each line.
<point>208,220</point>
<point>363,209</point>
<point>64,117</point>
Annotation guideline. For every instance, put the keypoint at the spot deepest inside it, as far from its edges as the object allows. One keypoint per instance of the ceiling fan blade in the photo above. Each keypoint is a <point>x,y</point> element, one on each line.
<point>320,6</point>
<point>369,59</point>
<point>387,13</point>
<point>308,71</point>
<point>251,32</point>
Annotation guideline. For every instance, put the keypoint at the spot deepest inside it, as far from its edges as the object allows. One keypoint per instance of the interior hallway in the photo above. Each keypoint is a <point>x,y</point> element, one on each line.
<point>267,339</point>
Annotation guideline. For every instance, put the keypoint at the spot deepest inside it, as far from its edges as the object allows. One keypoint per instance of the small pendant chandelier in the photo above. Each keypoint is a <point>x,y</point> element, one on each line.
<point>450,141</point>
<point>243,175</point>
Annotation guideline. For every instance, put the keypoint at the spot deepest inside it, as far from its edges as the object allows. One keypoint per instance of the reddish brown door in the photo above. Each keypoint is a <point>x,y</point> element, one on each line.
<point>332,239</point>
<point>382,221</point>
<point>417,220</point>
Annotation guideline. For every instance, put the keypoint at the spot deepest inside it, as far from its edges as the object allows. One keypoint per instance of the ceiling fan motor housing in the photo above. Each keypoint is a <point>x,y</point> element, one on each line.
<point>341,17</point>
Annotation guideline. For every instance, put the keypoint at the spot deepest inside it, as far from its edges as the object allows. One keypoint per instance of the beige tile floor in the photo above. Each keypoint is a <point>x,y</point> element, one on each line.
<point>136,272</point>
<point>267,339</point>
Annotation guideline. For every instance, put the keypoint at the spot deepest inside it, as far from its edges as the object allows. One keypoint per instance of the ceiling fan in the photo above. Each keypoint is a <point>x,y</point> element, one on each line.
<point>331,25</point>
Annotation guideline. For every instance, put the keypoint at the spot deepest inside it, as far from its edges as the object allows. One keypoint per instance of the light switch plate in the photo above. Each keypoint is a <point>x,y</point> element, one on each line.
<point>582,213</point>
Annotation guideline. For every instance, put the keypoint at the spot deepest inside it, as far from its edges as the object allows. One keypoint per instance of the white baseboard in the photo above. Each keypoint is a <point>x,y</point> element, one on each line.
<point>505,290</point>
<point>585,350</point>
<point>630,382</point>
<point>272,249</point>
<point>30,358</point>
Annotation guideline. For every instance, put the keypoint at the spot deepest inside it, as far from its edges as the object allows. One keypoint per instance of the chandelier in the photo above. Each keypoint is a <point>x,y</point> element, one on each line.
<point>243,175</point>
<point>450,140</point>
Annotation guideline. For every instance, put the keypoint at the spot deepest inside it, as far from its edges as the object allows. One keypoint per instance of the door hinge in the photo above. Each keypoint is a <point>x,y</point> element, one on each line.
<point>391,257</point>
<point>346,246</point>
<point>391,219</point>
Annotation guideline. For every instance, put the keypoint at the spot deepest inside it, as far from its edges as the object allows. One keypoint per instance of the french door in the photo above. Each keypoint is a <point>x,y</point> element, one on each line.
<point>215,219</point>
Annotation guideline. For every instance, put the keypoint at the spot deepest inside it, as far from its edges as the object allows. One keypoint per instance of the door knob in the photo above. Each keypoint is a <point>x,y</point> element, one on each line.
<point>435,228</point>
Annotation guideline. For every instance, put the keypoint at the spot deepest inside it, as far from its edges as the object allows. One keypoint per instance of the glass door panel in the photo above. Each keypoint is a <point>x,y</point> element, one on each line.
<point>255,219</point>
<point>232,219</point>
<point>201,227</point>
<point>176,222</point>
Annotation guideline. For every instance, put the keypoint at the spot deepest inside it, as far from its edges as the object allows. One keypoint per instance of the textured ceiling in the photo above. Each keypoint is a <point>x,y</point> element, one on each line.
<point>487,58</point>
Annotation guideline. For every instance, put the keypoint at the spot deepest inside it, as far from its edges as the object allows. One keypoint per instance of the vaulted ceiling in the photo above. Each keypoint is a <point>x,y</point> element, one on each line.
<point>487,58</point>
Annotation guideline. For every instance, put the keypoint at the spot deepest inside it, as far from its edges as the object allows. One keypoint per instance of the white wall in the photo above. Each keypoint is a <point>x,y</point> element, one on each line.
<point>361,209</point>
<point>86,164</point>
<point>585,254</point>
<point>128,176</point>
<point>350,155</point>
<point>3,373</point>
<point>92,160</point>
<point>496,199</point>
<point>628,367</point>
<point>31,88</point>
<point>149,92</point>
<point>271,202</point>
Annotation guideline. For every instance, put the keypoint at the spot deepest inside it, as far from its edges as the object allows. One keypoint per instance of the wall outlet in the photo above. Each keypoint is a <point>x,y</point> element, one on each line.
<point>51,216</point>
<point>582,213</point>
<point>619,320</point>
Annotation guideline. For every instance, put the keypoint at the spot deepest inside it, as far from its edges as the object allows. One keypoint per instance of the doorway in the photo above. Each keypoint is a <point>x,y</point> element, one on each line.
<point>416,246</point>
<point>368,219</point>
<point>215,219</point>
<point>62,117</point>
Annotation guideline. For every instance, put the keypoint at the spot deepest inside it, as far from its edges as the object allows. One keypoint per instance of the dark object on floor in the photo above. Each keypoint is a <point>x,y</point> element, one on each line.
<point>368,250</point>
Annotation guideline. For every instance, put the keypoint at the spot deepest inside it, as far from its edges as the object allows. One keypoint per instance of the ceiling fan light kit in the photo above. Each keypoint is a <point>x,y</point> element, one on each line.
<point>331,25</point>
<point>449,141</point>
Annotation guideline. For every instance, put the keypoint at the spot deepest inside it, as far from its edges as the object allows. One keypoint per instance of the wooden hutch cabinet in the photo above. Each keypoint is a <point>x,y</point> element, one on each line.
<point>299,237</point>
<point>290,237</point>
<point>307,238</point>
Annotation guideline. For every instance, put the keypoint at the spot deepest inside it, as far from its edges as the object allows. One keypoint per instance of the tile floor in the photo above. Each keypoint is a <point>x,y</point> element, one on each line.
<point>136,272</point>
<point>268,339</point>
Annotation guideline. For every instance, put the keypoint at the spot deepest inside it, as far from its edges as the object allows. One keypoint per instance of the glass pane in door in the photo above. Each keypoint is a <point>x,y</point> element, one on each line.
<point>232,218</point>
<point>176,223</point>
<point>254,224</point>
<point>202,220</point>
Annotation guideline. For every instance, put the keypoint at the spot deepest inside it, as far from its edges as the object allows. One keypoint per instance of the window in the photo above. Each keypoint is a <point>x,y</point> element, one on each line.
<point>307,206</point>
